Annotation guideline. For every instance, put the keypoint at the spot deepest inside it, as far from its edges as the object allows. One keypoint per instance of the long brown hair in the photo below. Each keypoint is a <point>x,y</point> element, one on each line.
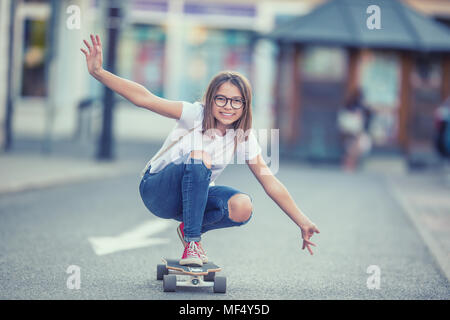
<point>244,123</point>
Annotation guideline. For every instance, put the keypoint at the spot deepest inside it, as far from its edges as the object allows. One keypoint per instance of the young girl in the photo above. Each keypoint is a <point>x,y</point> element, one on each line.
<point>178,182</point>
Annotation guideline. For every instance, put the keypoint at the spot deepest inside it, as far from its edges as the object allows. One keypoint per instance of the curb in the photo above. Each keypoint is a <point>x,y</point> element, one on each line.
<point>63,180</point>
<point>438,253</point>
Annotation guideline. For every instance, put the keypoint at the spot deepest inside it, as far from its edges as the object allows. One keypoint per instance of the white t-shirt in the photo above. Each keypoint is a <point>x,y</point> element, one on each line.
<point>221,148</point>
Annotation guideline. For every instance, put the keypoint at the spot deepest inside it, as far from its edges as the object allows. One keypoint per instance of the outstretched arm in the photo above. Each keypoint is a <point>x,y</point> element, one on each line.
<point>132,91</point>
<point>278,193</point>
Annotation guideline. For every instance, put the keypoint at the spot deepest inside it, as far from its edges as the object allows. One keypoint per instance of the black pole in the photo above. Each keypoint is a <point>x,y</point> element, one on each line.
<point>51,39</point>
<point>7,144</point>
<point>106,142</point>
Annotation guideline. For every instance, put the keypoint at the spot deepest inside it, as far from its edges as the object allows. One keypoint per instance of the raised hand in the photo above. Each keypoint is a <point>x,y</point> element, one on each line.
<point>94,56</point>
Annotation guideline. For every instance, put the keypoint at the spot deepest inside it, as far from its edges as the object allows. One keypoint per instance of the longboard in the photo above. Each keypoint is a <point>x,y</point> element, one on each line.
<point>209,267</point>
<point>173,274</point>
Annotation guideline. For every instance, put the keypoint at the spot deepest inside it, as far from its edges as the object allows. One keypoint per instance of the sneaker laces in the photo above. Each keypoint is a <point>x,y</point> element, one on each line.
<point>201,251</point>
<point>192,248</point>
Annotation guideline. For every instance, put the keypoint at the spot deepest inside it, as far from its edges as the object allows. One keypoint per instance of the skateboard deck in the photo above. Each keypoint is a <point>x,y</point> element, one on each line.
<point>173,264</point>
<point>175,275</point>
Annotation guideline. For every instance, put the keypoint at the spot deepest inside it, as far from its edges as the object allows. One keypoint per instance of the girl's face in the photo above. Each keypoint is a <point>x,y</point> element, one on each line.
<point>226,115</point>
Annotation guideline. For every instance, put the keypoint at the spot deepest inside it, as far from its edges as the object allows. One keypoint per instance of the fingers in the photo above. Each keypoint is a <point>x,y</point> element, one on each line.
<point>307,246</point>
<point>96,45</point>
<point>309,249</point>
<point>313,229</point>
<point>309,242</point>
<point>94,42</point>
<point>88,46</point>
<point>85,52</point>
<point>99,43</point>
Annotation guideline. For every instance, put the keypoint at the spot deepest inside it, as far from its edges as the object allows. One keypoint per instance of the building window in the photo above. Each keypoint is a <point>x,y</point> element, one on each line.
<point>323,63</point>
<point>33,61</point>
<point>141,56</point>
<point>209,51</point>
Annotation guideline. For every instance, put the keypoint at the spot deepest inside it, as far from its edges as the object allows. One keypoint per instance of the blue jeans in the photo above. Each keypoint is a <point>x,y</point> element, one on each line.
<point>181,191</point>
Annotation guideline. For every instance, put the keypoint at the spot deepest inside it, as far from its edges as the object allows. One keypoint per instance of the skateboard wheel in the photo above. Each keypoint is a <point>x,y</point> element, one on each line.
<point>161,270</point>
<point>169,283</point>
<point>210,276</point>
<point>220,285</point>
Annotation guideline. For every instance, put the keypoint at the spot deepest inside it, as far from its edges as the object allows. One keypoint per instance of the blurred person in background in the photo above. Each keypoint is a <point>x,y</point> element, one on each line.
<point>354,123</point>
<point>179,185</point>
<point>442,129</point>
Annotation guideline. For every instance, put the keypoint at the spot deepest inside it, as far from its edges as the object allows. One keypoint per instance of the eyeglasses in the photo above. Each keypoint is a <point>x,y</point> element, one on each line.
<point>236,103</point>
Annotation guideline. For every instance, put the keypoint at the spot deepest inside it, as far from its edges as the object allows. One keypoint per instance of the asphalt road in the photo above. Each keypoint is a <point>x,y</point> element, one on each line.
<point>43,232</point>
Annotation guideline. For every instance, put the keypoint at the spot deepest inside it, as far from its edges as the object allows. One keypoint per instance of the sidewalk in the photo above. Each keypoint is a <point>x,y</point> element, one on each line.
<point>425,197</point>
<point>27,168</point>
<point>22,173</point>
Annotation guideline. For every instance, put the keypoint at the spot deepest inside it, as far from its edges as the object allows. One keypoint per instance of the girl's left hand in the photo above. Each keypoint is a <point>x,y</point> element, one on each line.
<point>307,232</point>
<point>94,55</point>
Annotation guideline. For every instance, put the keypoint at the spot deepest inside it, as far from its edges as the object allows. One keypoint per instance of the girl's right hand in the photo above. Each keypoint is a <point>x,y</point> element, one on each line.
<point>94,57</point>
<point>307,232</point>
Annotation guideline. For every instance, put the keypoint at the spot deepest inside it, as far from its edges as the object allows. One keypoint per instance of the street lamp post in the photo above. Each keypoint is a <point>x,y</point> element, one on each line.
<point>52,40</point>
<point>106,143</point>
<point>8,138</point>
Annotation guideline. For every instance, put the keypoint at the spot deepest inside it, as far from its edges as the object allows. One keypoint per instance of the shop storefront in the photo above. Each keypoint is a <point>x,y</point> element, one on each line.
<point>401,71</point>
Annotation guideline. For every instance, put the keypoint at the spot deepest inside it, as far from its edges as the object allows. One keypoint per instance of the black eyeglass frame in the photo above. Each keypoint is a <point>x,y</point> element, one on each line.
<point>226,101</point>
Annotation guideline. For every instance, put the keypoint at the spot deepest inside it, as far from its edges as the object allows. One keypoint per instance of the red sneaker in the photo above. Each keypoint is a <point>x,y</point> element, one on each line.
<point>191,256</point>
<point>180,231</point>
<point>201,251</point>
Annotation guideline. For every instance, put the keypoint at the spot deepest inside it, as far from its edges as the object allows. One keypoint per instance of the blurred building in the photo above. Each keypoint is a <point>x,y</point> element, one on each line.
<point>47,78</point>
<point>173,47</point>
<point>438,9</point>
<point>402,69</point>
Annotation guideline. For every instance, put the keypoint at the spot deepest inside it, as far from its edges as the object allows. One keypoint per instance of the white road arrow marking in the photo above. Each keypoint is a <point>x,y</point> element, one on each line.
<point>136,238</point>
